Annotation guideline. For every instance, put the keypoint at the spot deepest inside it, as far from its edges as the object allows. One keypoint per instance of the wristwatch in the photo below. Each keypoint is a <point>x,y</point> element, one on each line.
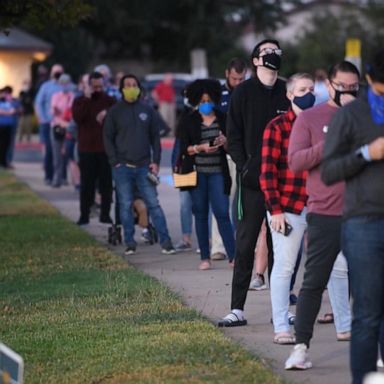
<point>362,153</point>
<point>359,154</point>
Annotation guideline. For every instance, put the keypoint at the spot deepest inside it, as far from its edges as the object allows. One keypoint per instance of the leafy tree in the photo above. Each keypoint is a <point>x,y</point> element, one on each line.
<point>38,13</point>
<point>324,43</point>
<point>161,31</point>
<point>167,30</point>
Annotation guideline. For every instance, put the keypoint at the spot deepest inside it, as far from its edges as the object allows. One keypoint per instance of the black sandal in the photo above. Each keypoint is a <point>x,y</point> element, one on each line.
<point>231,320</point>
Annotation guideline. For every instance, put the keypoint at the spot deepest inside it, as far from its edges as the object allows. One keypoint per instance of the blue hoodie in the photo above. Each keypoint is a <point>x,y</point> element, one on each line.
<point>43,100</point>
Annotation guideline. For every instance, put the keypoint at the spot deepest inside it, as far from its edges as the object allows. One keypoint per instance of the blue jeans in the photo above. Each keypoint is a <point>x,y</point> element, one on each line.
<point>285,252</point>
<point>45,130</point>
<point>126,178</point>
<point>338,292</point>
<point>11,148</point>
<point>58,160</point>
<point>69,155</point>
<point>363,246</point>
<point>186,212</point>
<point>210,191</point>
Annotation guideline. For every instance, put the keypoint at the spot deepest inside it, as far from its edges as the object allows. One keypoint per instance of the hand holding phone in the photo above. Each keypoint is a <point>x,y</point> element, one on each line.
<point>278,222</point>
<point>288,229</point>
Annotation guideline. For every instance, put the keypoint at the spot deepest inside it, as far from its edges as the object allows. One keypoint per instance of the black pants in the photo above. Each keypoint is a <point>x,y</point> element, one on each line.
<point>248,229</point>
<point>323,247</point>
<point>5,141</point>
<point>94,171</point>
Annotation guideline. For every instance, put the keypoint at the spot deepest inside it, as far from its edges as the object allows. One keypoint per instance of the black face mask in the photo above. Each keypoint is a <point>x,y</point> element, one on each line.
<point>338,94</point>
<point>96,95</point>
<point>272,61</point>
<point>57,75</point>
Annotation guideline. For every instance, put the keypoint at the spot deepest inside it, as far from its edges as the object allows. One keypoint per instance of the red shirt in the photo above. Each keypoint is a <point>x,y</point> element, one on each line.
<point>283,189</point>
<point>165,93</point>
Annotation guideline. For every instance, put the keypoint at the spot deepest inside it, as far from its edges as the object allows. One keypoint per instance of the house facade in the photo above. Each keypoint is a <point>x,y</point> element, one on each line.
<point>18,50</point>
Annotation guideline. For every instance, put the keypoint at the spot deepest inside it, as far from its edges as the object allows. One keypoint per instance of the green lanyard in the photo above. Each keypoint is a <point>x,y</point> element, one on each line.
<point>239,200</point>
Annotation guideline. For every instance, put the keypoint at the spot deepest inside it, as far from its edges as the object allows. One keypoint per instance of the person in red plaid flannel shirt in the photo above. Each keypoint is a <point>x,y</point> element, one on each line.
<point>285,198</point>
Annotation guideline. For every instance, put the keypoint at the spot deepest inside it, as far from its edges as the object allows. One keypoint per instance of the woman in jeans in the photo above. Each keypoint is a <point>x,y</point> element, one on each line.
<point>203,143</point>
<point>61,104</point>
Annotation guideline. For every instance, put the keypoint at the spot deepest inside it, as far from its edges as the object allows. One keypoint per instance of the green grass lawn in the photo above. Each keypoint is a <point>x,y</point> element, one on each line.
<point>77,313</point>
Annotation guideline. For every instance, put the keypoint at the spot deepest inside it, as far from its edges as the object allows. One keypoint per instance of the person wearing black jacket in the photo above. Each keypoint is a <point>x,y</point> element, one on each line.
<point>254,103</point>
<point>202,145</point>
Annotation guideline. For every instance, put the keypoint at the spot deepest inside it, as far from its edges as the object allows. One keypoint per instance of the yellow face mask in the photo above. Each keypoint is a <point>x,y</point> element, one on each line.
<point>131,94</point>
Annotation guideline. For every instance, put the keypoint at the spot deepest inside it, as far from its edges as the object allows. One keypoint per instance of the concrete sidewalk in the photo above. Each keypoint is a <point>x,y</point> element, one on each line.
<point>208,291</point>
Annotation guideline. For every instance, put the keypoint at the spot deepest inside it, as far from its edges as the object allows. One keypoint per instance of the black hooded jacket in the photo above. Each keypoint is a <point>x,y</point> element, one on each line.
<point>251,108</point>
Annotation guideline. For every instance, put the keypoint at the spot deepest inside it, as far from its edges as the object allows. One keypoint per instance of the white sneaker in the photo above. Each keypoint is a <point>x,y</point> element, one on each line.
<point>298,358</point>
<point>258,283</point>
<point>380,363</point>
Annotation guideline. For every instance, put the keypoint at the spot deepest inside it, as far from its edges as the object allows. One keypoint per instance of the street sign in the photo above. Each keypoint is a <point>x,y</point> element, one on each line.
<point>353,52</point>
<point>353,48</point>
<point>11,366</point>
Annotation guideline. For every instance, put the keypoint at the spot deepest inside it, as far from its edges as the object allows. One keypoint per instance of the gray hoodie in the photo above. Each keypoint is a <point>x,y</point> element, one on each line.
<point>131,134</point>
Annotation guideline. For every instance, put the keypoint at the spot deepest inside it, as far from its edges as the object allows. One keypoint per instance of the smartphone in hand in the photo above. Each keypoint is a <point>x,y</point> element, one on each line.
<point>288,229</point>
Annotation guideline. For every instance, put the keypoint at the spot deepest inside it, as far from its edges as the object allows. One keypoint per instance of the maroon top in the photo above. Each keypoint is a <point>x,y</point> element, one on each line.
<point>90,132</point>
<point>305,152</point>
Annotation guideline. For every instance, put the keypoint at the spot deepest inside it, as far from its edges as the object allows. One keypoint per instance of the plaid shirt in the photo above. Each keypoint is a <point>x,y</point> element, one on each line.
<point>284,190</point>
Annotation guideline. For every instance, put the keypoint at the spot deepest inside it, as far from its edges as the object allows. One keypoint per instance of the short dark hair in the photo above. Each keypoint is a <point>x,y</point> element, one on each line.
<point>198,87</point>
<point>129,76</point>
<point>95,75</point>
<point>343,66</point>
<point>7,89</point>
<point>239,65</point>
<point>256,50</point>
<point>375,69</point>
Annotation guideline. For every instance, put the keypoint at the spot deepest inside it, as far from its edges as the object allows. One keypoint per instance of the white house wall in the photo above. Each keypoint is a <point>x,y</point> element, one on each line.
<point>15,67</point>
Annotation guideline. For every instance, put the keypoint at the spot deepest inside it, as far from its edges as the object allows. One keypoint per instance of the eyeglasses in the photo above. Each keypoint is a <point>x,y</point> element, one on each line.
<point>268,51</point>
<point>341,87</point>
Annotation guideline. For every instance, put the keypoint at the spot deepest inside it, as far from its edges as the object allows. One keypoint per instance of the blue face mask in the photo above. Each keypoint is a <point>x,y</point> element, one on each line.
<point>306,101</point>
<point>65,88</point>
<point>376,103</point>
<point>206,108</point>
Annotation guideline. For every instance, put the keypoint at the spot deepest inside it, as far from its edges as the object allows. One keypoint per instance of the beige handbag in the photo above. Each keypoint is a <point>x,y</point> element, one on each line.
<point>185,179</point>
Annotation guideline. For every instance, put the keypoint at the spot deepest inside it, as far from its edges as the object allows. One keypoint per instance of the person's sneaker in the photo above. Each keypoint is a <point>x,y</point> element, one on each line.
<point>291,318</point>
<point>218,256</point>
<point>149,235</point>
<point>258,283</point>
<point>298,358</point>
<point>292,299</point>
<point>82,221</point>
<point>146,236</point>
<point>183,247</point>
<point>130,250</point>
<point>105,219</point>
<point>168,248</point>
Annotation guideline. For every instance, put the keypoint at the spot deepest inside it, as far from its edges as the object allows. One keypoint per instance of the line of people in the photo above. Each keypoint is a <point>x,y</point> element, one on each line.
<point>264,135</point>
<point>276,138</point>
